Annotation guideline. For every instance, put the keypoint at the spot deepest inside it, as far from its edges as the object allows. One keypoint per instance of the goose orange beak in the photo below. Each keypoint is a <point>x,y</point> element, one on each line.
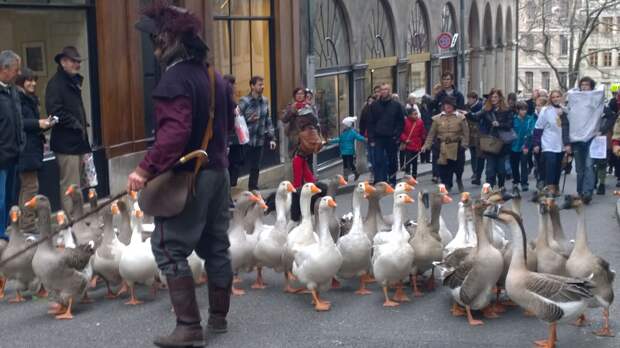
<point>465,196</point>
<point>91,194</point>
<point>408,188</point>
<point>263,205</point>
<point>254,198</point>
<point>408,200</point>
<point>389,189</point>
<point>14,215</point>
<point>133,195</point>
<point>69,190</point>
<point>616,193</point>
<point>114,208</point>
<point>331,203</point>
<point>341,180</point>
<point>486,188</point>
<point>412,181</point>
<point>442,188</point>
<point>314,189</point>
<point>290,188</point>
<point>368,188</point>
<point>61,218</point>
<point>31,203</point>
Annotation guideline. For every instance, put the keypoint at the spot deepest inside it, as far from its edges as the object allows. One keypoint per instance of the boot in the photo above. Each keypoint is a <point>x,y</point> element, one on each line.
<point>188,332</point>
<point>459,183</point>
<point>601,189</point>
<point>219,304</point>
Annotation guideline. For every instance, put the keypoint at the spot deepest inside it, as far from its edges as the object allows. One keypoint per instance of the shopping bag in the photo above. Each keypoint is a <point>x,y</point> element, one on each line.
<point>89,174</point>
<point>598,147</point>
<point>241,129</point>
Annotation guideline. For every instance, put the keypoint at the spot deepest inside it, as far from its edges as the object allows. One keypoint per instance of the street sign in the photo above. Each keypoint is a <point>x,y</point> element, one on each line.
<point>455,38</point>
<point>444,40</point>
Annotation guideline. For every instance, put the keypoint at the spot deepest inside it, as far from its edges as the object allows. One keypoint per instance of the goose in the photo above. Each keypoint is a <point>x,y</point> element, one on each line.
<point>498,235</point>
<point>549,297</point>
<point>557,239</point>
<point>300,236</point>
<point>471,282</point>
<point>137,264</point>
<point>355,247</point>
<point>125,231</point>
<point>64,273</point>
<point>582,263</point>
<point>241,247</point>
<point>465,236</point>
<point>438,228</point>
<point>255,215</point>
<point>271,241</point>
<point>426,247</point>
<point>315,265</point>
<point>19,269</point>
<point>373,223</point>
<point>393,255</point>
<point>547,260</point>
<point>404,186</point>
<point>107,257</point>
<point>332,189</point>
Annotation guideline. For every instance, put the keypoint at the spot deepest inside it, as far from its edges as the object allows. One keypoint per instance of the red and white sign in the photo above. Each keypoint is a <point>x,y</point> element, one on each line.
<point>444,41</point>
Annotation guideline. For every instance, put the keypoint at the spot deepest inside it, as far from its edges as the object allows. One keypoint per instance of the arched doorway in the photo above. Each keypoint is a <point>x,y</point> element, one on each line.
<point>448,57</point>
<point>500,60</point>
<point>488,62</point>
<point>378,47</point>
<point>475,79</point>
<point>333,75</point>
<point>418,49</point>
<point>510,53</point>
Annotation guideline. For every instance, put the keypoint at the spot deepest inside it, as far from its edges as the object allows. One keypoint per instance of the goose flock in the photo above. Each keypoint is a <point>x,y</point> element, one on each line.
<point>551,278</point>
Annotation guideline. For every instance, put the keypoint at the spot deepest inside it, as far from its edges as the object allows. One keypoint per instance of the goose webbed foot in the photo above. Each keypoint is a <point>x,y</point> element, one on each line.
<point>399,295</point>
<point>56,308</point>
<point>67,313</point>
<point>414,283</point>
<point>2,285</point>
<point>237,291</point>
<point>581,321</point>
<point>549,342</point>
<point>457,310</point>
<point>133,301</point>
<point>320,305</point>
<point>93,282</point>
<point>490,312</point>
<point>124,288</point>
<point>605,331</point>
<point>528,313</point>
<point>42,293</point>
<point>388,302</point>
<point>430,282</point>
<point>18,298</point>
<point>470,318</point>
<point>362,290</point>
<point>259,283</point>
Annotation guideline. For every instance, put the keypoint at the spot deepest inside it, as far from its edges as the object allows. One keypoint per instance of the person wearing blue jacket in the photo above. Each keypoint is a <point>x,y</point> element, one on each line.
<point>346,143</point>
<point>523,125</point>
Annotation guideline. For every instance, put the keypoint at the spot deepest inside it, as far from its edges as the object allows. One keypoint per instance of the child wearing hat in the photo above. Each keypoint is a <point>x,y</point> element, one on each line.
<point>346,142</point>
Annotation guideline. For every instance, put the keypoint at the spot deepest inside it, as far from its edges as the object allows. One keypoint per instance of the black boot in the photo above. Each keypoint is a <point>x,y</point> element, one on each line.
<point>601,189</point>
<point>188,332</point>
<point>219,304</point>
<point>459,183</point>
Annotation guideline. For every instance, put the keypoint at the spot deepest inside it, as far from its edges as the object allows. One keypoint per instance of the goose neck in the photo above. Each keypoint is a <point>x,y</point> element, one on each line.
<point>281,207</point>
<point>519,239</point>
<point>304,205</point>
<point>482,230</point>
<point>581,240</point>
<point>325,237</point>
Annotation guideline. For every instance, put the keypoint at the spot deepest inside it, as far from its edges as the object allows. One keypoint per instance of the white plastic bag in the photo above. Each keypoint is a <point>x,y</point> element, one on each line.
<point>89,174</point>
<point>241,129</point>
<point>598,147</point>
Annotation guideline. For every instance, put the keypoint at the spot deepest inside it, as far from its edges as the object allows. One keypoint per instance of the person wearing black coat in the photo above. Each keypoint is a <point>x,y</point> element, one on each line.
<point>69,139</point>
<point>31,158</point>
<point>495,117</point>
<point>448,89</point>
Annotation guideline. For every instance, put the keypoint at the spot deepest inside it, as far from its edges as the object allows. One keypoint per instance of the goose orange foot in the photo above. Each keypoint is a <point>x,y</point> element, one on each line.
<point>93,282</point>
<point>110,295</point>
<point>457,310</point>
<point>259,283</point>
<point>56,308</point>
<point>490,312</point>
<point>291,290</point>
<point>470,318</point>
<point>400,296</point>
<point>320,305</point>
<point>42,293</point>
<point>237,292</point>
<point>2,284</point>
<point>388,302</point>
<point>18,298</point>
<point>67,314</point>
<point>581,321</point>
<point>133,301</point>
<point>605,331</point>
<point>416,289</point>
<point>362,290</point>
<point>124,288</point>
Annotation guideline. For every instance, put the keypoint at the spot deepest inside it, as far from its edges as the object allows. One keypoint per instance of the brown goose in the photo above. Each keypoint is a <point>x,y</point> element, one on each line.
<point>582,263</point>
<point>548,260</point>
<point>549,297</point>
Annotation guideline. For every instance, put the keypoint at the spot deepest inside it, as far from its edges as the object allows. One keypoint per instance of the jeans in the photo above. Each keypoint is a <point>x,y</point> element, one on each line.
<point>386,161</point>
<point>410,162</point>
<point>7,197</point>
<point>435,158</point>
<point>253,156</point>
<point>370,157</point>
<point>446,171</point>
<point>584,165</point>
<point>348,165</point>
<point>474,160</point>
<point>519,165</point>
<point>71,169</point>
<point>496,167</point>
<point>552,161</point>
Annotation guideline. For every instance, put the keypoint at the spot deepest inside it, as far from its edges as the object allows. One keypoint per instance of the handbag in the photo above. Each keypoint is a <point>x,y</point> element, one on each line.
<point>89,174</point>
<point>310,141</point>
<point>403,145</point>
<point>241,130</point>
<point>508,136</point>
<point>167,194</point>
<point>491,144</point>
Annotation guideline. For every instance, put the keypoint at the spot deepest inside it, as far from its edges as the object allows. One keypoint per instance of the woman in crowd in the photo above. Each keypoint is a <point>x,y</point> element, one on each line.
<point>31,158</point>
<point>411,140</point>
<point>293,122</point>
<point>523,125</point>
<point>551,138</point>
<point>496,120</point>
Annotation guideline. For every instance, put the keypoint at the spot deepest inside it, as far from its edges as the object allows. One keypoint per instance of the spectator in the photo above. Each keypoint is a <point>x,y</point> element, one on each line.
<point>523,126</point>
<point>448,89</point>
<point>496,117</point>
<point>12,138</point>
<point>291,120</point>
<point>363,129</point>
<point>411,100</point>
<point>31,158</point>
<point>531,103</point>
<point>537,161</point>
<point>255,109</point>
<point>450,130</point>
<point>411,140</point>
<point>615,139</point>
<point>384,127</point>
<point>607,124</point>
<point>69,138</point>
<point>474,105</point>
<point>235,150</point>
<point>310,101</point>
<point>511,99</point>
<point>426,112</point>
<point>584,126</point>
<point>551,137</point>
<point>346,142</point>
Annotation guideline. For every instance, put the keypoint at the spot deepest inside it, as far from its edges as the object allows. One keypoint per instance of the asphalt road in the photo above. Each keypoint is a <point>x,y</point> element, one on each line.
<point>269,318</point>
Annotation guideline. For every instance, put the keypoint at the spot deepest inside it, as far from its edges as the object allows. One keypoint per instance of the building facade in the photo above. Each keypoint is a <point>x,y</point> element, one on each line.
<point>339,48</point>
<point>603,56</point>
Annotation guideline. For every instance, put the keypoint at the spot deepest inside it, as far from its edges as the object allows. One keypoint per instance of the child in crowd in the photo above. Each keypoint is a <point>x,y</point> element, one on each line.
<point>523,125</point>
<point>411,140</point>
<point>346,142</point>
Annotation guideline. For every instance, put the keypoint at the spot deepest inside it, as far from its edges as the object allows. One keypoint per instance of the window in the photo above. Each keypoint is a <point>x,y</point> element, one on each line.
<point>606,25</point>
<point>529,81</point>
<point>563,45</point>
<point>593,57</point>
<point>563,78</point>
<point>607,59</point>
<point>546,79</point>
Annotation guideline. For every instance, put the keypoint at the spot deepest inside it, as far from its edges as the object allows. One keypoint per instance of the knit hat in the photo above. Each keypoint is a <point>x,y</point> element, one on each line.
<point>349,121</point>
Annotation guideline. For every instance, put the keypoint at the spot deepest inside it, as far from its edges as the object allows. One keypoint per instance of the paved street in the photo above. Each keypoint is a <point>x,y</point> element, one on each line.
<point>269,318</point>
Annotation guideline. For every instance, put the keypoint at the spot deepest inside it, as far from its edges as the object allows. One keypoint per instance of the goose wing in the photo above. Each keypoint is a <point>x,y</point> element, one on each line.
<point>79,257</point>
<point>457,277</point>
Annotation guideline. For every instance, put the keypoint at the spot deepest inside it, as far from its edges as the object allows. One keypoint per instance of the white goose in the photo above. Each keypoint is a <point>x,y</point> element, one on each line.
<point>465,236</point>
<point>393,256</point>
<point>302,235</point>
<point>316,265</point>
<point>107,257</point>
<point>355,247</point>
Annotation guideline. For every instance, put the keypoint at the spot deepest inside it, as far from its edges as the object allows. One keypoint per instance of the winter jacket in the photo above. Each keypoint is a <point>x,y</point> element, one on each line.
<point>417,137</point>
<point>346,140</point>
<point>486,117</point>
<point>31,157</point>
<point>387,118</point>
<point>261,130</point>
<point>524,129</point>
<point>441,95</point>
<point>63,98</point>
<point>12,136</point>
<point>474,123</point>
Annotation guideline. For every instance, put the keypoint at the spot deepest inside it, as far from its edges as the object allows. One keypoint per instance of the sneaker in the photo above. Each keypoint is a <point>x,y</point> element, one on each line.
<point>600,190</point>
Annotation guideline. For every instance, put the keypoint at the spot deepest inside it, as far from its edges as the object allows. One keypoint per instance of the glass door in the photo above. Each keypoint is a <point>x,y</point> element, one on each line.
<point>333,100</point>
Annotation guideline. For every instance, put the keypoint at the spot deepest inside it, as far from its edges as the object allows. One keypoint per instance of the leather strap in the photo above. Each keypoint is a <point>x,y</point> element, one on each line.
<point>209,132</point>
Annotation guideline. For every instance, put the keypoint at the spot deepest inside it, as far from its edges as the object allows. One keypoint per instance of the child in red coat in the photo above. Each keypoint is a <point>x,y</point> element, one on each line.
<point>411,141</point>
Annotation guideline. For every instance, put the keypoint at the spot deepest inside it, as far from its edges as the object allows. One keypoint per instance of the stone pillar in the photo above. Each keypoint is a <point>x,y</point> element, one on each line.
<point>359,99</point>
<point>510,69</point>
<point>500,70</point>
<point>475,65</point>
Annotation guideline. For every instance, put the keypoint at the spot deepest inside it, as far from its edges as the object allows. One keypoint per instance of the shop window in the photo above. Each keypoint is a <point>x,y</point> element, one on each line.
<point>332,100</point>
<point>593,57</point>
<point>563,45</point>
<point>546,80</point>
<point>607,59</point>
<point>529,81</point>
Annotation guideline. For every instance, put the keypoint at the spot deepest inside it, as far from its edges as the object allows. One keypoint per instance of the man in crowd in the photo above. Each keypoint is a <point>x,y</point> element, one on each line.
<point>448,89</point>
<point>607,125</point>
<point>12,138</point>
<point>182,108</point>
<point>474,105</point>
<point>255,109</point>
<point>69,138</point>
<point>385,123</point>
<point>363,121</point>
